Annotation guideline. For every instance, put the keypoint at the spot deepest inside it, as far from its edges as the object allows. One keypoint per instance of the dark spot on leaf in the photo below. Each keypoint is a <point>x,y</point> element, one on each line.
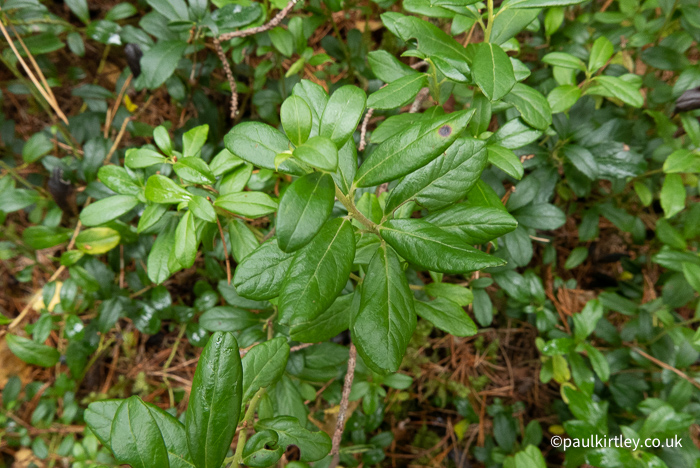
<point>445,131</point>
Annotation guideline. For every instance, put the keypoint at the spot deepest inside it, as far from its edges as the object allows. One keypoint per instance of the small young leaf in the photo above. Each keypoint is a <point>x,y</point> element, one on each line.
<point>193,140</point>
<point>296,119</point>
<point>161,189</point>
<point>194,170</point>
<point>263,365</point>
<point>319,152</point>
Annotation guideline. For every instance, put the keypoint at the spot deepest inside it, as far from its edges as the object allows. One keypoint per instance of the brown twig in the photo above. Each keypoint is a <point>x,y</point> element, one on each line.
<point>662,364</point>
<point>120,135</point>
<point>115,107</point>
<point>340,425</point>
<point>229,76</point>
<point>265,27</point>
<point>46,93</point>
<point>244,33</point>
<point>363,129</point>
<point>422,94</point>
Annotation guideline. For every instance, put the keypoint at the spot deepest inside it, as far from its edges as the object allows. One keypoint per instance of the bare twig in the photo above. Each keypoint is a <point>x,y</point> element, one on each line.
<point>422,94</point>
<point>340,425</point>
<point>115,107</point>
<point>662,364</point>
<point>120,135</point>
<point>244,33</point>
<point>363,129</point>
<point>229,77</point>
<point>45,92</point>
<point>265,27</point>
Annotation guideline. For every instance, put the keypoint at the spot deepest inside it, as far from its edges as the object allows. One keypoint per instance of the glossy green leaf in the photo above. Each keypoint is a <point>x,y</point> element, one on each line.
<point>36,147</point>
<point>672,195</point>
<point>296,119</point>
<point>564,60</point>
<point>259,144</point>
<point>492,71</point>
<point>312,445</point>
<point>342,114</point>
<point>601,52</point>
<point>386,318</point>
<point>505,160</point>
<point>304,209</point>
<point>263,365</point>
<point>107,209</point>
<point>157,263</point>
<point>194,170</point>
<point>474,224</point>
<point>541,216</point>
<point>202,208</point>
<point>446,179</point>
<point>397,93</point>
<point>185,248</point>
<point>515,134</point>
<point>387,68</point>
<point>162,140</point>
<point>460,295</point>
<point>582,159</point>
<point>215,401</point>
<point>227,319</point>
<point>161,189</point>
<point>248,204</point>
<point>43,237</point>
<point>174,437</point>
<point>561,98</point>
<point>533,107</point>
<point>447,316</point>
<point>243,241</point>
<point>434,248</point>
<point>159,62</point>
<point>117,179</point>
<point>318,273</point>
<point>135,437</point>
<point>260,275</point>
<point>319,152</point>
<point>31,352</point>
<point>540,3</point>
<point>411,149</point>
<point>99,416</point>
<point>262,449</point>
<point>142,157</point>
<point>682,160</point>
<point>97,241</point>
<point>193,140</point>
<point>692,275</point>
<point>619,88</point>
<point>328,324</point>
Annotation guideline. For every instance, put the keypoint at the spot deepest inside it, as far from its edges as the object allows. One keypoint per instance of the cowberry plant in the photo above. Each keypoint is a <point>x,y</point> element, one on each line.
<point>316,202</point>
